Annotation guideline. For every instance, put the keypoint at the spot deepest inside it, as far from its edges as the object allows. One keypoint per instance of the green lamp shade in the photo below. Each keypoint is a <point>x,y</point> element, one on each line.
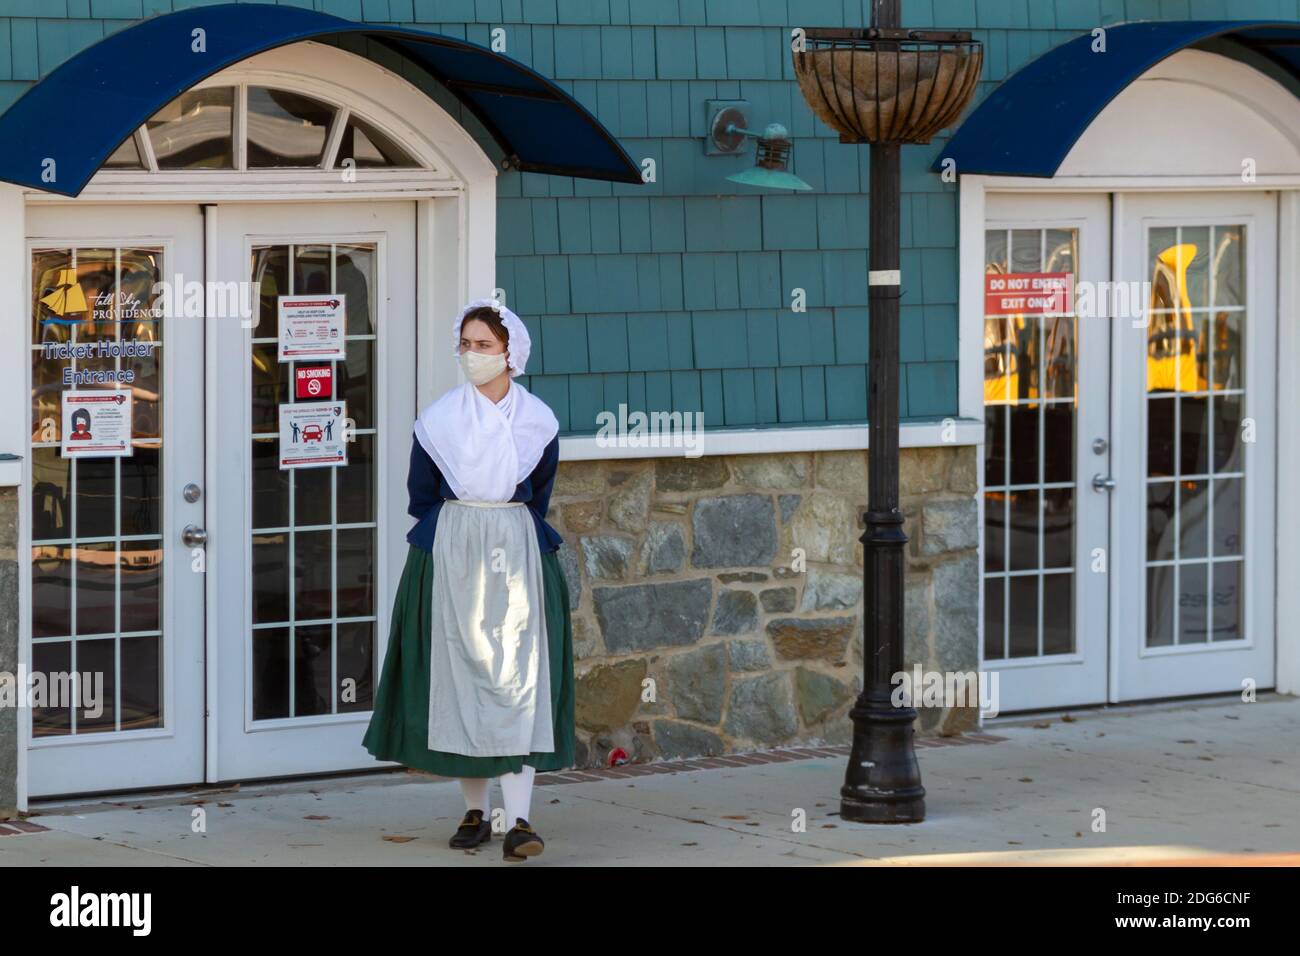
<point>771,178</point>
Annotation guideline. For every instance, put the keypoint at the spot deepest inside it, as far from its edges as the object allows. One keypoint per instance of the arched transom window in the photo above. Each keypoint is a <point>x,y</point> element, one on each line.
<point>241,126</point>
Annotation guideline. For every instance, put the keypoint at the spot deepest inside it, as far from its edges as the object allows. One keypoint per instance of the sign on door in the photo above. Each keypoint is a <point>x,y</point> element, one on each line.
<point>311,435</point>
<point>311,327</point>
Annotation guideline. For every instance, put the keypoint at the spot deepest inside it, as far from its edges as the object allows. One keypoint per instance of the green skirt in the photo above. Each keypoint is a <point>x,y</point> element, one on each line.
<point>399,726</point>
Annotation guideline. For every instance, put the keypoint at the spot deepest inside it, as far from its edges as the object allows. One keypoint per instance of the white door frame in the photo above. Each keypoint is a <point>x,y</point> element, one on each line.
<point>455,241</point>
<point>1185,168</point>
<point>973,201</point>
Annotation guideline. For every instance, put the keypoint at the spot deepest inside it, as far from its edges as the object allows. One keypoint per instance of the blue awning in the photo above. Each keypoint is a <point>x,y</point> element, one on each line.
<point>1028,124</point>
<point>85,108</point>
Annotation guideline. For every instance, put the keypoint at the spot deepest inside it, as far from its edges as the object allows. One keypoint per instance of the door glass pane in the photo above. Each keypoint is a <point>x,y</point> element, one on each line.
<point>1197,315</point>
<point>97,547</point>
<point>314,529</point>
<point>1030,404</point>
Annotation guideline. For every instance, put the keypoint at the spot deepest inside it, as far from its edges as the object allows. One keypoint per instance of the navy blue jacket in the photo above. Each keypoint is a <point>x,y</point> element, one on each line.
<point>429,489</point>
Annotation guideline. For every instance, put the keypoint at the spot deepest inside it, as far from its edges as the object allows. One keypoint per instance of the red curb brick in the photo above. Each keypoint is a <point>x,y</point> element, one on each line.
<point>810,752</point>
<point>19,827</point>
<point>633,769</point>
<point>751,758</point>
<point>770,757</point>
<point>746,760</point>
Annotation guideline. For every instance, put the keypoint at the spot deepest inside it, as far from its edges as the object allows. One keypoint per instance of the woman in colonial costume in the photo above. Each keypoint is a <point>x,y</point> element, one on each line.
<point>478,679</point>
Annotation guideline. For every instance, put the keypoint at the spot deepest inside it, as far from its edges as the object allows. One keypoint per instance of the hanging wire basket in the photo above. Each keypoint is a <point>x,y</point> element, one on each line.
<point>879,85</point>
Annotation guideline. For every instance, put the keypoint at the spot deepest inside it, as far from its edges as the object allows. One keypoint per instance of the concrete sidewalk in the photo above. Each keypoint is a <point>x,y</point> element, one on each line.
<point>1213,782</point>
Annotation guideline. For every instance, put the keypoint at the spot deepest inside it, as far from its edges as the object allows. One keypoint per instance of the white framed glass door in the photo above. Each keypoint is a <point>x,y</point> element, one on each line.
<point>117,597</point>
<point>1195,445</point>
<point>1046,404</point>
<point>303,559</point>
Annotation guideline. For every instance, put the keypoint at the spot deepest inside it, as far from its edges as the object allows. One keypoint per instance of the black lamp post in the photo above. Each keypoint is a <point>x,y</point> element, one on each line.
<point>885,86</point>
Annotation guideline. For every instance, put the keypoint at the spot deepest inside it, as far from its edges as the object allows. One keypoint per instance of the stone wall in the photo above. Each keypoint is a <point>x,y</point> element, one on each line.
<point>8,648</point>
<point>686,572</point>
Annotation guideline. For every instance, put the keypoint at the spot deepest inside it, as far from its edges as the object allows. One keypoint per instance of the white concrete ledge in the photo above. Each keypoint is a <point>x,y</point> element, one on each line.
<point>759,441</point>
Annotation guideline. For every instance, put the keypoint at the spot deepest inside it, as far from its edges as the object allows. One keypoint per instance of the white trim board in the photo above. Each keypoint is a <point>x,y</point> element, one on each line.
<point>15,433</point>
<point>1287,668</point>
<point>14,428</point>
<point>760,441</point>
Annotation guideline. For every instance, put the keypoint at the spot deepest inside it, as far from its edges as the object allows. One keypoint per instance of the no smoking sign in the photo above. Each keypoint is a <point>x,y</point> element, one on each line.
<point>314,381</point>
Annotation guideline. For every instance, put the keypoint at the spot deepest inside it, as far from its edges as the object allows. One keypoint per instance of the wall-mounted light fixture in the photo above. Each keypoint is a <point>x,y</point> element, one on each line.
<point>727,133</point>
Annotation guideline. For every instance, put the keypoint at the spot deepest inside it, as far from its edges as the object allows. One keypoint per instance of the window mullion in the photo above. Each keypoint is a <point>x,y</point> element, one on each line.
<point>145,145</point>
<point>239,123</point>
<point>341,117</point>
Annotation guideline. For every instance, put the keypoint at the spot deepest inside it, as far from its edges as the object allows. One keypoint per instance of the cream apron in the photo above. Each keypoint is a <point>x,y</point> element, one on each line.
<point>489,679</point>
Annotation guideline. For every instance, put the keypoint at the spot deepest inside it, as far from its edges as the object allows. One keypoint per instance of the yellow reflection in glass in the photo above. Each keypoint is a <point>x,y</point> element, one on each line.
<point>1000,362</point>
<point>1009,349</point>
<point>1171,327</point>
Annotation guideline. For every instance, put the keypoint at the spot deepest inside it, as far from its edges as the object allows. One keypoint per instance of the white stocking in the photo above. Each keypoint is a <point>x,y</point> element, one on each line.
<point>475,790</point>
<point>517,792</point>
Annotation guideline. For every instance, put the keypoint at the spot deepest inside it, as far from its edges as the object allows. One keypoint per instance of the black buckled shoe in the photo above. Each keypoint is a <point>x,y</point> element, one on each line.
<point>521,842</point>
<point>473,830</point>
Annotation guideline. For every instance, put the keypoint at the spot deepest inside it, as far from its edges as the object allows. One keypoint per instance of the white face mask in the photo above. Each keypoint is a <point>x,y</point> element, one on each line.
<point>480,368</point>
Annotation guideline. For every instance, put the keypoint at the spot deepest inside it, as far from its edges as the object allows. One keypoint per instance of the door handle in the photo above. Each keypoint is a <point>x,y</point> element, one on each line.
<point>193,536</point>
<point>1103,483</point>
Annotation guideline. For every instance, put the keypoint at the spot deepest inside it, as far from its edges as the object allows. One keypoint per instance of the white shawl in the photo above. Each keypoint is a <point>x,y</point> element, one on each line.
<point>484,449</point>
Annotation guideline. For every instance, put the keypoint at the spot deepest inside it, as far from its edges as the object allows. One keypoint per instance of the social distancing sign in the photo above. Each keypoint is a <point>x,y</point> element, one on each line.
<point>312,327</point>
<point>311,435</point>
<point>96,424</point>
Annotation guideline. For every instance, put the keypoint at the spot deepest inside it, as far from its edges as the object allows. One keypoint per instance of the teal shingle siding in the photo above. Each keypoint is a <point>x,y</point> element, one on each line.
<point>677,294</point>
